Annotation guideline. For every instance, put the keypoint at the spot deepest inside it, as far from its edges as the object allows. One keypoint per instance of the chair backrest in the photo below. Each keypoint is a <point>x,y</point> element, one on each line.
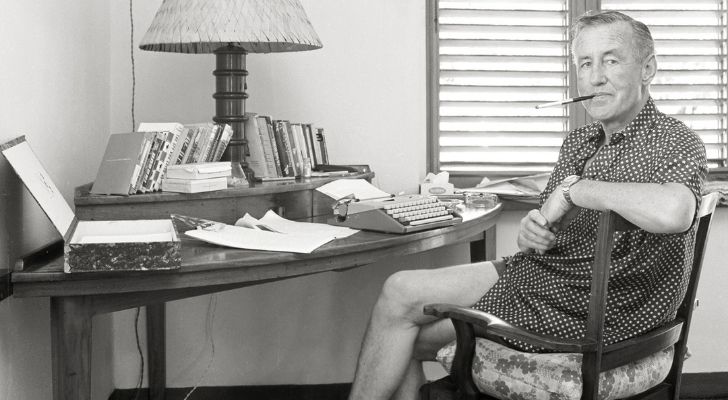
<point>609,223</point>
<point>685,312</point>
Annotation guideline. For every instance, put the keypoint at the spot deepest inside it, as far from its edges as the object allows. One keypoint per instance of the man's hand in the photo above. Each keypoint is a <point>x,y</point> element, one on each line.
<point>534,233</point>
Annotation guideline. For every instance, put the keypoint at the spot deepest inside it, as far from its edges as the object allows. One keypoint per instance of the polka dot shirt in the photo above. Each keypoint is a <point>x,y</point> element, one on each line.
<point>549,293</point>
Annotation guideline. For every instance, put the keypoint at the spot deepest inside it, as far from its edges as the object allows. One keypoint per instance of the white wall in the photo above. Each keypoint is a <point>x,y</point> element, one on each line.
<point>54,80</point>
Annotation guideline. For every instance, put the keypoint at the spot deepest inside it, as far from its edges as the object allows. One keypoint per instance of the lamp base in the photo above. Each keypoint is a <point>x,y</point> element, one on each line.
<point>230,86</point>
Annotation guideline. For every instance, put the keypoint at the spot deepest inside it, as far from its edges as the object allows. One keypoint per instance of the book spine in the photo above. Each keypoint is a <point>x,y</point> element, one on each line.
<point>151,160</point>
<point>256,155</point>
<point>143,154</point>
<point>286,167</point>
<point>308,137</point>
<point>267,147</point>
<point>203,139</point>
<point>173,137</point>
<point>293,155</point>
<point>322,144</point>
<point>227,134</point>
<point>192,146</point>
<point>274,146</point>
<point>184,142</point>
<point>214,140</point>
<point>163,159</point>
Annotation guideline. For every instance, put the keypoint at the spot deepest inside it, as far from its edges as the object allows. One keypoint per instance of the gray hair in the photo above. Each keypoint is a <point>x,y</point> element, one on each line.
<point>643,44</point>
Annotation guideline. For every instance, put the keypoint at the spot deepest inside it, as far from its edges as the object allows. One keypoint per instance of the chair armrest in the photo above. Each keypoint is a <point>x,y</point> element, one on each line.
<point>490,325</point>
<point>636,348</point>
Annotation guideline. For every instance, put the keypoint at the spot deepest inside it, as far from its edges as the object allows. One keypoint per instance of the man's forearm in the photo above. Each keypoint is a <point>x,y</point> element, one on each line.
<point>654,207</point>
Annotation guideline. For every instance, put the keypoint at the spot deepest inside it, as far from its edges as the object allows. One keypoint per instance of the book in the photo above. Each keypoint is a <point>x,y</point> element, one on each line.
<point>200,170</point>
<point>154,161</point>
<point>284,155</point>
<point>143,159</point>
<point>299,146</point>
<point>256,153</point>
<point>201,142</point>
<point>274,145</point>
<point>160,167</point>
<point>265,140</point>
<point>175,127</point>
<point>120,163</point>
<point>308,136</point>
<point>290,148</point>
<point>194,139</point>
<point>193,185</point>
<point>225,136</point>
<point>321,150</point>
<point>214,138</point>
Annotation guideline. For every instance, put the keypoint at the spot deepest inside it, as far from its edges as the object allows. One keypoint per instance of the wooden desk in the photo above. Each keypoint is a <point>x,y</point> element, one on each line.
<point>206,268</point>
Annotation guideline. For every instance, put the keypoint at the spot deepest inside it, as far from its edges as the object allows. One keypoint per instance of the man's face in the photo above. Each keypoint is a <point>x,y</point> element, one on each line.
<point>606,66</point>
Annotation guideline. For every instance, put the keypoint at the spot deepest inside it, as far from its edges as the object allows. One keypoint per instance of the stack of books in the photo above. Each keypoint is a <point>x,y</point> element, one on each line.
<point>136,162</point>
<point>196,178</point>
<point>280,149</point>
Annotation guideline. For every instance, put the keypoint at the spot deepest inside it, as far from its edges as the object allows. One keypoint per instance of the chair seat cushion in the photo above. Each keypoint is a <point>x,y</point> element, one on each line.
<point>505,373</point>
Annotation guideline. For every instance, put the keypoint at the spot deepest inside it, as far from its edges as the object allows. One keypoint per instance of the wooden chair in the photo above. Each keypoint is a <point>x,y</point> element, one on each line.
<point>471,324</point>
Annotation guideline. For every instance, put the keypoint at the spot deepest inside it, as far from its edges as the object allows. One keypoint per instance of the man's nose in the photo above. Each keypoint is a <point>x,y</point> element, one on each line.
<point>597,76</point>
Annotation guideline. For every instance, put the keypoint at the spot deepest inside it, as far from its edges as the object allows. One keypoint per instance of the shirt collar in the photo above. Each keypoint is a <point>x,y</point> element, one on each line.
<point>641,123</point>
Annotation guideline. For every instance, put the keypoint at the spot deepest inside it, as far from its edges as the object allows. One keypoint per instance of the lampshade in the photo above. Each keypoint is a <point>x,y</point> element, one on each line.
<point>256,26</point>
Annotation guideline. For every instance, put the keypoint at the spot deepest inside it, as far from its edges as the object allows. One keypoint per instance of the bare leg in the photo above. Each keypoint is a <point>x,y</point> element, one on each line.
<point>432,337</point>
<point>388,345</point>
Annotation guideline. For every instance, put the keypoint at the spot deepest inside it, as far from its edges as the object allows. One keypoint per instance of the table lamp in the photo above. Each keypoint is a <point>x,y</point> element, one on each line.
<point>231,29</point>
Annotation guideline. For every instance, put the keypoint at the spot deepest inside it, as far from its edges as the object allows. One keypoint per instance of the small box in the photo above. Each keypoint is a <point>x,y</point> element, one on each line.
<point>137,245</point>
<point>436,188</point>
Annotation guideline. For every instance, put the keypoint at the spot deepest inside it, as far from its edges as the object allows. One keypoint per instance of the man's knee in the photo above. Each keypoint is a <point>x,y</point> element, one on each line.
<point>401,292</point>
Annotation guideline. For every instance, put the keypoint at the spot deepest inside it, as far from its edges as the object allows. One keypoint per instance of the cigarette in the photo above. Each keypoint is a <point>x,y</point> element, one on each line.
<point>565,101</point>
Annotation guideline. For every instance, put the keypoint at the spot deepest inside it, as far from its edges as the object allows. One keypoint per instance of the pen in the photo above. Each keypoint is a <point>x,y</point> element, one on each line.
<point>566,101</point>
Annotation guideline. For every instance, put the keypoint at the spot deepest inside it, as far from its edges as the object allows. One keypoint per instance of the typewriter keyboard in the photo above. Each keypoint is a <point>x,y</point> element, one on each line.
<point>418,211</point>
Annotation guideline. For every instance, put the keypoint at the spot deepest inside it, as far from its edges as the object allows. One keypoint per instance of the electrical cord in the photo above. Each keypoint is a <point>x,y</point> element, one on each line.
<point>209,323</point>
<point>133,73</point>
<point>141,354</point>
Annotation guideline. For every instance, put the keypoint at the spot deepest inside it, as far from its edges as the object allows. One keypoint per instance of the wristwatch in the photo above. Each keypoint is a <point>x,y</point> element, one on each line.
<point>566,187</point>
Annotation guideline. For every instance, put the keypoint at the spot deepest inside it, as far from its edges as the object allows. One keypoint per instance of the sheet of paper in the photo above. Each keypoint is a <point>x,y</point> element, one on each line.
<point>277,223</point>
<point>256,239</point>
<point>360,188</point>
<point>526,186</point>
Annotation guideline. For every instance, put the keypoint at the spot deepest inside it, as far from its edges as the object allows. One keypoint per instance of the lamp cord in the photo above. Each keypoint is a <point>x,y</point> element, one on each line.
<point>209,324</point>
<point>141,354</point>
<point>133,73</point>
<point>133,124</point>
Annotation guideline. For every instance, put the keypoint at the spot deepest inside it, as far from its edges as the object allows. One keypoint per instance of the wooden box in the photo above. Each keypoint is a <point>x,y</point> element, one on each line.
<point>131,245</point>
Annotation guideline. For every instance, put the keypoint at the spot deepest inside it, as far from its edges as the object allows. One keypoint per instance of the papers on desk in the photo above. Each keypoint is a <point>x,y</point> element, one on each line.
<point>358,188</point>
<point>271,233</point>
<point>521,187</point>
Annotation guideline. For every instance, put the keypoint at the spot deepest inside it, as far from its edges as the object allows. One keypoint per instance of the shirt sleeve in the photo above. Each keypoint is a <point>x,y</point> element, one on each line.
<point>683,162</point>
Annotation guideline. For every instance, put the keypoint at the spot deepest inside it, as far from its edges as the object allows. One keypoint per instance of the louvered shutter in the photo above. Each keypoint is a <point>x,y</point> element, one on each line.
<point>690,43</point>
<point>497,60</point>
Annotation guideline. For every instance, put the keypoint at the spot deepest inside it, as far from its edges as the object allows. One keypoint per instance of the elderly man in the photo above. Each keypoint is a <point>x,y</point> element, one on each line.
<point>634,160</point>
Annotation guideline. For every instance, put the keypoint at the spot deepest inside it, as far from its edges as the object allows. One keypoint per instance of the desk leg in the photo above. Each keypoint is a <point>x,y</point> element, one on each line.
<point>71,348</point>
<point>156,350</point>
<point>483,249</point>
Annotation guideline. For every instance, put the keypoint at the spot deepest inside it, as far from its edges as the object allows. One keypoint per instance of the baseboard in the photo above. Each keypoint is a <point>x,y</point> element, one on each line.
<point>695,386</point>
<point>334,391</point>
<point>707,385</point>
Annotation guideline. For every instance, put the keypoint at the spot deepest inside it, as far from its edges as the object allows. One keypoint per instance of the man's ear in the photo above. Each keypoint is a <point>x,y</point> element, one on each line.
<point>649,69</point>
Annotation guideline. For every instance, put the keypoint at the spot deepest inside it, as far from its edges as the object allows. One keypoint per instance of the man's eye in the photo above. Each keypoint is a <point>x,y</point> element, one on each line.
<point>585,64</point>
<point>611,62</point>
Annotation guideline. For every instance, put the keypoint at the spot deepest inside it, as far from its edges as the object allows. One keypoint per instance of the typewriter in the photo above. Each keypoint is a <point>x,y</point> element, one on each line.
<point>397,214</point>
